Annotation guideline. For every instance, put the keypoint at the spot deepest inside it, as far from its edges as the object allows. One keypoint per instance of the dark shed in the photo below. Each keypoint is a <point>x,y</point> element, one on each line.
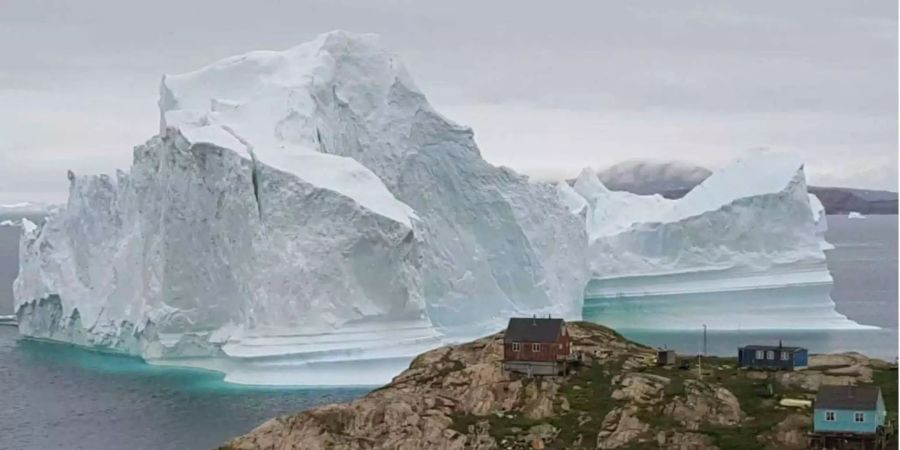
<point>665,357</point>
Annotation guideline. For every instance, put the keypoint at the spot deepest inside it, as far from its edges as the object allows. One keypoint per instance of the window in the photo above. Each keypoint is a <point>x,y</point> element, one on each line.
<point>829,416</point>
<point>760,354</point>
<point>859,417</point>
<point>770,355</point>
<point>535,348</point>
<point>785,356</point>
<point>515,346</point>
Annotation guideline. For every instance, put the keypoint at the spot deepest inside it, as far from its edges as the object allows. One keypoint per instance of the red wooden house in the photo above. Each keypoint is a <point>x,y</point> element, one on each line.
<point>536,346</point>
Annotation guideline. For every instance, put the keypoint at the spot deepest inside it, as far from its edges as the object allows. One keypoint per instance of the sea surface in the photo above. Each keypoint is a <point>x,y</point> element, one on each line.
<point>62,397</point>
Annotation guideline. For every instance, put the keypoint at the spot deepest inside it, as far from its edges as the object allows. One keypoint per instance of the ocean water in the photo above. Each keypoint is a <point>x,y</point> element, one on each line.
<point>62,397</point>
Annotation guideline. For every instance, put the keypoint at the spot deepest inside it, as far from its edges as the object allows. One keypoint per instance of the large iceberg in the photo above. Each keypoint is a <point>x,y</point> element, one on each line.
<point>742,250</point>
<point>303,217</point>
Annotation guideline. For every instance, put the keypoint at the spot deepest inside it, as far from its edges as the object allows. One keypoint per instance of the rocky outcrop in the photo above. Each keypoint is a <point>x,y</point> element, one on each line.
<point>841,369</point>
<point>620,427</point>
<point>703,403</point>
<point>458,398</point>
<point>641,388</point>
<point>417,410</point>
<point>790,433</point>
<point>684,441</point>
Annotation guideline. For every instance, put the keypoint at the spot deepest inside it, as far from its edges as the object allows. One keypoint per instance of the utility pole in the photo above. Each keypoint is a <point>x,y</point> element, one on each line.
<point>704,339</point>
<point>700,356</point>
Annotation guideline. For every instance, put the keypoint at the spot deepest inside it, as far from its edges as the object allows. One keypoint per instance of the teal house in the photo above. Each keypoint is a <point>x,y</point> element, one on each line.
<point>849,410</point>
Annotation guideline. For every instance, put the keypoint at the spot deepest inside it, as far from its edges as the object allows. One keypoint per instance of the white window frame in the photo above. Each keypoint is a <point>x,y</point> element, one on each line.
<point>785,356</point>
<point>515,347</point>
<point>535,348</point>
<point>859,417</point>
<point>760,354</point>
<point>770,355</point>
<point>830,416</point>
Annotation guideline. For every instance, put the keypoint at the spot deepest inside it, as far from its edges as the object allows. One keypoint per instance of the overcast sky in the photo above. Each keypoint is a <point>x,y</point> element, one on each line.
<point>549,87</point>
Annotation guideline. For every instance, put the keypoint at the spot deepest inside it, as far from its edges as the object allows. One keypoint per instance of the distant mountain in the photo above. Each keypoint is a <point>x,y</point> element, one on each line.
<point>646,177</point>
<point>675,179</point>
<point>843,200</point>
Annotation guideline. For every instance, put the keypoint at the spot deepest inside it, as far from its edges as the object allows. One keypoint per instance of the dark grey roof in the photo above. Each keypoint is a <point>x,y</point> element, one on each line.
<point>772,347</point>
<point>522,329</point>
<point>847,397</point>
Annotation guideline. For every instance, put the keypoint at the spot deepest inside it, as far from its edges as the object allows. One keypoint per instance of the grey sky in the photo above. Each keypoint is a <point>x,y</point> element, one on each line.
<point>547,90</point>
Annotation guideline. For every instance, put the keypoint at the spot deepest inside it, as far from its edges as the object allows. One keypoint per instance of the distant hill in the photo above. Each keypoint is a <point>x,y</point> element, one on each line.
<point>645,177</point>
<point>674,180</point>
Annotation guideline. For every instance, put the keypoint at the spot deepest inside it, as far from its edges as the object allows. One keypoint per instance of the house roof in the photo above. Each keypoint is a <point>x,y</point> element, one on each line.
<point>772,347</point>
<point>847,397</point>
<point>528,329</point>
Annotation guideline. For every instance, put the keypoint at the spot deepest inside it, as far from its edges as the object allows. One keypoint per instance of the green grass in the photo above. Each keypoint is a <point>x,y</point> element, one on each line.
<point>887,380</point>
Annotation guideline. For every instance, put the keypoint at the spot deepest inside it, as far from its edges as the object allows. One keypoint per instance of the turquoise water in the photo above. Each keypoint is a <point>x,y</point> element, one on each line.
<point>62,397</point>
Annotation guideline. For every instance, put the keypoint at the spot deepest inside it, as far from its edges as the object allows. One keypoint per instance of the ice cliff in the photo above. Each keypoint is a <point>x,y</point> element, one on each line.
<point>742,250</point>
<point>300,213</point>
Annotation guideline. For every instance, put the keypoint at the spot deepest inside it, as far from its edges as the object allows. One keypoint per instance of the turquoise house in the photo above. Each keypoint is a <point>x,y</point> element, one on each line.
<point>849,409</point>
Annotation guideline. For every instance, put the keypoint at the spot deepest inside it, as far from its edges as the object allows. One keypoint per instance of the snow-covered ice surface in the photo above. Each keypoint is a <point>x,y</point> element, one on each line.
<point>743,250</point>
<point>303,217</point>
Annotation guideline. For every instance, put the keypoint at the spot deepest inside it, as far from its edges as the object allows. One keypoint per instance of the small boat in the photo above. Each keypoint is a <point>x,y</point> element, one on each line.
<point>855,215</point>
<point>8,320</point>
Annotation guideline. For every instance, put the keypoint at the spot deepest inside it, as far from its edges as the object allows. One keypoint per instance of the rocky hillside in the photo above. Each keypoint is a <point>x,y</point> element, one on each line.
<point>458,397</point>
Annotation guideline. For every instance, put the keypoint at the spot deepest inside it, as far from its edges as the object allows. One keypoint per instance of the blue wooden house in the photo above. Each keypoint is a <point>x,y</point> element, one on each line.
<point>772,357</point>
<point>853,409</point>
<point>849,417</point>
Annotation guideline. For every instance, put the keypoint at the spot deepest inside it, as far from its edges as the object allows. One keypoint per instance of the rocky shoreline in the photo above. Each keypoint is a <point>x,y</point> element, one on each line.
<point>457,397</point>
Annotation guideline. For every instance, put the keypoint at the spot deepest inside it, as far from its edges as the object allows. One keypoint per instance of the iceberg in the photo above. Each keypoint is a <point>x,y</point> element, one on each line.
<point>742,250</point>
<point>820,220</point>
<point>303,217</point>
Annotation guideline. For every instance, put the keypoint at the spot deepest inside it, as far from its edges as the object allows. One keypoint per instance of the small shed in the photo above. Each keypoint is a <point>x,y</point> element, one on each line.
<point>536,346</point>
<point>666,357</point>
<point>848,417</point>
<point>777,357</point>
